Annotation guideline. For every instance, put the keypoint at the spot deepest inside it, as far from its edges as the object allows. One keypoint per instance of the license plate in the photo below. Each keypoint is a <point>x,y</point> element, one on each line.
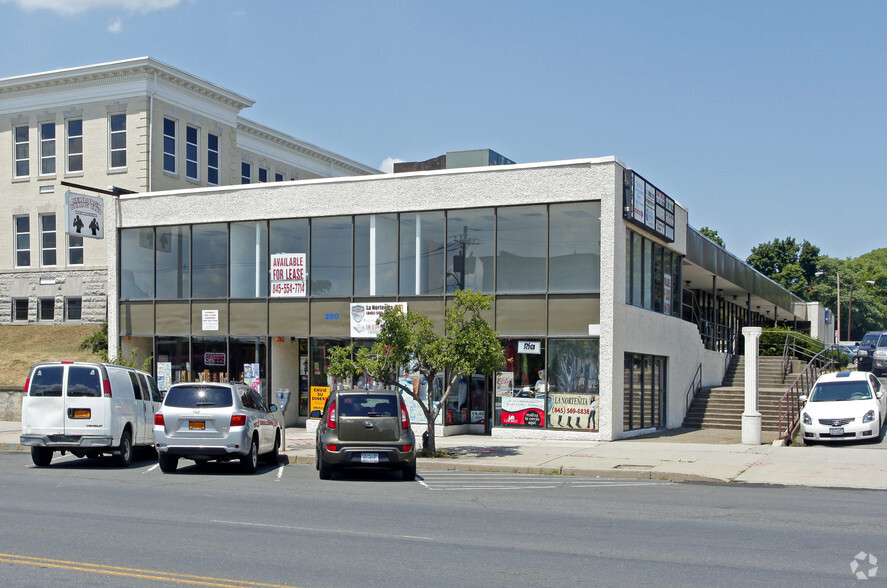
<point>82,413</point>
<point>197,425</point>
<point>836,431</point>
<point>369,458</point>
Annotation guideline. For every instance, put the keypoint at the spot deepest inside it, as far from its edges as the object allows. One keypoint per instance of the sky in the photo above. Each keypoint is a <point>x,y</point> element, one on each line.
<point>765,119</point>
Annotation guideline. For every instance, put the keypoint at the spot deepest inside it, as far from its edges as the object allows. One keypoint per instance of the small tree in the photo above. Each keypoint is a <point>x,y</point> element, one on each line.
<point>408,342</point>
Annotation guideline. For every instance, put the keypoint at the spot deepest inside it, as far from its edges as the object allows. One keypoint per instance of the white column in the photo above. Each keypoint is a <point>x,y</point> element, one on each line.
<point>372,255</point>
<point>751,418</point>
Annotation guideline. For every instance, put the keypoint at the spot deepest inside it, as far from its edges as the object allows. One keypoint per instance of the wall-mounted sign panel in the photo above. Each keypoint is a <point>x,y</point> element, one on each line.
<point>646,206</point>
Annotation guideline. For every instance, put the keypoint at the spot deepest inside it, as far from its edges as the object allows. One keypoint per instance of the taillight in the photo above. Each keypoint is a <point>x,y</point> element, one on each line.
<point>106,386</point>
<point>158,419</point>
<point>404,417</point>
<point>331,418</point>
<point>27,385</point>
<point>332,447</point>
<point>238,420</point>
<point>406,448</point>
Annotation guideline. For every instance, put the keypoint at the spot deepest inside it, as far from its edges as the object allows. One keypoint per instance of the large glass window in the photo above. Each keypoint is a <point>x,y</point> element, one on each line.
<point>648,274</point>
<point>644,391</point>
<point>573,389</point>
<point>212,159</point>
<point>22,151</point>
<point>136,264</point>
<point>249,259</point>
<point>117,128</point>
<point>169,145</point>
<point>48,248</point>
<point>375,255</point>
<point>422,253</point>
<point>520,387</point>
<point>192,138</point>
<point>520,249</point>
<point>47,148</point>
<point>173,262</point>
<point>209,266</point>
<point>574,247</point>
<point>470,250</point>
<point>75,145</point>
<point>289,236</point>
<point>330,259</point>
<point>320,364</point>
<point>209,361</point>
<point>652,275</point>
<point>22,241</point>
<point>174,351</point>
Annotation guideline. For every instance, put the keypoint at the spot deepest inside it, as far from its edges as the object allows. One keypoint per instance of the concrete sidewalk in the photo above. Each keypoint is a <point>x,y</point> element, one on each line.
<point>706,455</point>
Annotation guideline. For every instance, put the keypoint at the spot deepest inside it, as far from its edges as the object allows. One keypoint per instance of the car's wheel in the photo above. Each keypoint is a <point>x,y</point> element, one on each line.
<point>123,456</point>
<point>168,463</point>
<point>326,470</point>
<point>41,456</point>
<point>250,461</point>
<point>409,472</point>
<point>273,456</point>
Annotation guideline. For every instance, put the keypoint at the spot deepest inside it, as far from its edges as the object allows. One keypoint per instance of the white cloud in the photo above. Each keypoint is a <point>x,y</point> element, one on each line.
<point>387,164</point>
<point>115,25</point>
<point>69,7</point>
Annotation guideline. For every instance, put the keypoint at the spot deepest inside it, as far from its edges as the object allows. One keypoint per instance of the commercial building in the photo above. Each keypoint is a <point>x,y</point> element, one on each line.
<point>133,125</point>
<point>608,304</point>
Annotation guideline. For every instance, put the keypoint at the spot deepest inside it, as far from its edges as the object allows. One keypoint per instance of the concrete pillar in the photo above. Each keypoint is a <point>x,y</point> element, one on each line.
<point>751,418</point>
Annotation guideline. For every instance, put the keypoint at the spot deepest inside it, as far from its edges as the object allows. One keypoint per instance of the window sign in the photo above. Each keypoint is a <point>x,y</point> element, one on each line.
<point>364,317</point>
<point>647,206</point>
<point>288,275</point>
<point>531,347</point>
<point>214,359</point>
<point>210,320</point>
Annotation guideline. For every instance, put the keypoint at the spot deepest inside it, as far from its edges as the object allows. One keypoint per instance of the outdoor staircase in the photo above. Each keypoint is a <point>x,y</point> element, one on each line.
<point>721,407</point>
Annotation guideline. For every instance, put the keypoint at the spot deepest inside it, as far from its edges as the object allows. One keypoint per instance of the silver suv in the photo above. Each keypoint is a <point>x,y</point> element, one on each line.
<point>365,429</point>
<point>206,421</point>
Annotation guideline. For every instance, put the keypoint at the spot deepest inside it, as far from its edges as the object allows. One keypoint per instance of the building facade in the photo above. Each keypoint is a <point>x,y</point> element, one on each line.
<point>136,125</point>
<point>608,304</point>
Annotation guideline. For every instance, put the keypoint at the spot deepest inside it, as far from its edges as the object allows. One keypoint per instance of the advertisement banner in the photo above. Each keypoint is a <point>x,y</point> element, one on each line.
<point>523,411</point>
<point>318,398</point>
<point>364,317</point>
<point>573,411</point>
<point>504,383</point>
<point>288,274</point>
<point>164,375</point>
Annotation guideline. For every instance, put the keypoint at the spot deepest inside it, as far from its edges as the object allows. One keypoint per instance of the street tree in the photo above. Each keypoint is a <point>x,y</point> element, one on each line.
<point>787,263</point>
<point>713,235</point>
<point>408,343</point>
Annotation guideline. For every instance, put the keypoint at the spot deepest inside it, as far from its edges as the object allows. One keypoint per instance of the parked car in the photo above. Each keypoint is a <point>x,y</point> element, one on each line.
<point>207,421</point>
<point>872,352</point>
<point>87,409</point>
<point>365,429</point>
<point>849,351</point>
<point>844,405</point>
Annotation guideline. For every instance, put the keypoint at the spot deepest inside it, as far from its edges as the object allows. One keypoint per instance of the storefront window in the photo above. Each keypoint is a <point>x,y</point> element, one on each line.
<point>136,264</point>
<point>209,361</point>
<point>320,364</point>
<point>422,253</point>
<point>172,359</point>
<point>375,255</point>
<point>246,354</point>
<point>520,387</point>
<point>573,391</point>
<point>288,236</point>
<point>330,258</point>
<point>249,260</point>
<point>470,250</point>
<point>520,249</point>
<point>644,391</point>
<point>210,261</point>
<point>173,262</point>
<point>574,247</point>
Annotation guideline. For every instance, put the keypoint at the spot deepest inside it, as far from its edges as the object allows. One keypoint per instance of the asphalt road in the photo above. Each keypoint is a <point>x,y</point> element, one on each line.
<point>85,523</point>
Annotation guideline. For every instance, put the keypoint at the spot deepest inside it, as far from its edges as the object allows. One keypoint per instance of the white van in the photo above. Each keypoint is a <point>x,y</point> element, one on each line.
<point>88,409</point>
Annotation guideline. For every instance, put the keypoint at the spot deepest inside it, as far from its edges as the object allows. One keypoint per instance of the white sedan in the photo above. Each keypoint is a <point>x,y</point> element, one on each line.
<point>844,405</point>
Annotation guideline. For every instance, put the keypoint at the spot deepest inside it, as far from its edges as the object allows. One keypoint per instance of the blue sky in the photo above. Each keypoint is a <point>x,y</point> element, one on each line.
<point>766,119</point>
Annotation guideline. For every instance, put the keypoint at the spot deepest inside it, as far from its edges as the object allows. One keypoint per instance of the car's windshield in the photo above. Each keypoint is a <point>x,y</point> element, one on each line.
<point>870,340</point>
<point>196,397</point>
<point>361,405</point>
<point>840,391</point>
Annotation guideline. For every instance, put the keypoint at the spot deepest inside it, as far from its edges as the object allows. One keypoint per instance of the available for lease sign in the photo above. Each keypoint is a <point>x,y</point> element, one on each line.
<point>288,275</point>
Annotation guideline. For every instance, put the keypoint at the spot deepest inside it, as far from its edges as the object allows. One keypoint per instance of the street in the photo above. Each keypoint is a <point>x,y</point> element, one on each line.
<point>85,523</point>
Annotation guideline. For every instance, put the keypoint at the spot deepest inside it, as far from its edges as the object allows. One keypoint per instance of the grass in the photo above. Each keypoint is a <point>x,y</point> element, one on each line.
<point>22,346</point>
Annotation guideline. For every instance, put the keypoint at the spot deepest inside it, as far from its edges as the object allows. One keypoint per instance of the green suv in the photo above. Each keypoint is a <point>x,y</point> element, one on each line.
<point>365,429</point>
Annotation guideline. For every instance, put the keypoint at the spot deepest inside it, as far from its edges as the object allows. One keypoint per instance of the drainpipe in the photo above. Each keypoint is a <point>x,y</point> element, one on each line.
<point>151,130</point>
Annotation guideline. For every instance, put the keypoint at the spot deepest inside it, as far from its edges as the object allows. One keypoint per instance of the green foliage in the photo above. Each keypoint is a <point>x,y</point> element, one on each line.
<point>773,342</point>
<point>787,263</point>
<point>408,342</point>
<point>97,342</point>
<point>713,235</point>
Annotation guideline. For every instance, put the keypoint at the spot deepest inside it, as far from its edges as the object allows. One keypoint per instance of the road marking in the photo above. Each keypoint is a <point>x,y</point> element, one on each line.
<point>152,468</point>
<point>279,473</point>
<point>350,532</point>
<point>132,572</point>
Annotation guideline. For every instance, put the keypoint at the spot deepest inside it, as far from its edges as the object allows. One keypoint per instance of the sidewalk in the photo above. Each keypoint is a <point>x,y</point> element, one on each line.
<point>705,456</point>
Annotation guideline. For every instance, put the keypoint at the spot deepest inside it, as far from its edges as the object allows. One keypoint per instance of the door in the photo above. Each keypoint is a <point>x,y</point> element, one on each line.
<point>86,408</point>
<point>143,431</point>
<point>43,409</point>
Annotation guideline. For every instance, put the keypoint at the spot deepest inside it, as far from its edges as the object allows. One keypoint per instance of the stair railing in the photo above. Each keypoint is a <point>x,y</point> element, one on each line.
<point>695,386</point>
<point>789,404</point>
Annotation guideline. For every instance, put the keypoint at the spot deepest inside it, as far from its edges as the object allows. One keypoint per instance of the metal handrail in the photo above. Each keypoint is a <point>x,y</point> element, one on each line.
<point>789,404</point>
<point>695,386</point>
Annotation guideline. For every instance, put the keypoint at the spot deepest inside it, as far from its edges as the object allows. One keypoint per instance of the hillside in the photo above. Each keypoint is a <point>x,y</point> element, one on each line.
<point>22,346</point>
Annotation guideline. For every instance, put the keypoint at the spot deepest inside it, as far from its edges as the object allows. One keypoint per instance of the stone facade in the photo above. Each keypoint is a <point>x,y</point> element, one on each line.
<point>89,286</point>
<point>10,403</point>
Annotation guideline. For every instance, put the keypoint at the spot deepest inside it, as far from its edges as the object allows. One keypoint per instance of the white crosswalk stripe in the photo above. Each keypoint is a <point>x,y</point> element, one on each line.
<point>457,480</point>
